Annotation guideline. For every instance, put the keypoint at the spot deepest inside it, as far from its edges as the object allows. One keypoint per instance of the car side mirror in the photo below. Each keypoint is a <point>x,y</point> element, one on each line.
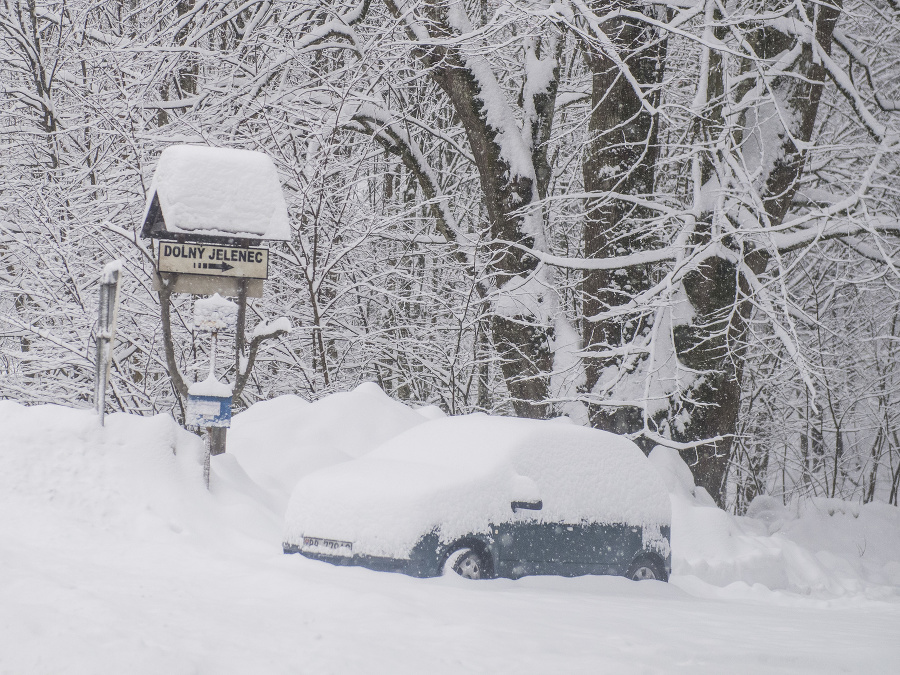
<point>525,495</point>
<point>531,506</point>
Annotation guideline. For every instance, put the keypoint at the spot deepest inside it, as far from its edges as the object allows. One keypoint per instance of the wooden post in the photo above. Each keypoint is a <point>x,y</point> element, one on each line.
<point>216,436</point>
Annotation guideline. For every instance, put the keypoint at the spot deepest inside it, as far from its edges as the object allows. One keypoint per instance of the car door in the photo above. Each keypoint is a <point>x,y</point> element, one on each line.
<point>530,537</point>
<point>529,546</point>
<point>559,538</point>
<point>598,548</point>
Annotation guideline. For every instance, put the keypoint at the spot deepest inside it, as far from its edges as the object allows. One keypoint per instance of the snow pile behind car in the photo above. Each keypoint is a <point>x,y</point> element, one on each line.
<point>277,442</point>
<point>459,475</point>
<point>822,547</point>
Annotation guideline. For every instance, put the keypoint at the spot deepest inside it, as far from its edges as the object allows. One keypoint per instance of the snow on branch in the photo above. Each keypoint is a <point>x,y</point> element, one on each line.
<point>612,53</point>
<point>845,85</point>
<point>845,43</point>
<point>497,112</point>
<point>669,443</point>
<point>383,126</point>
<point>690,10</point>
<point>132,237</point>
<point>612,263</point>
<point>337,28</point>
<point>76,350</point>
<point>866,250</point>
<point>270,329</point>
<point>789,236</point>
<point>788,337</point>
<point>834,229</point>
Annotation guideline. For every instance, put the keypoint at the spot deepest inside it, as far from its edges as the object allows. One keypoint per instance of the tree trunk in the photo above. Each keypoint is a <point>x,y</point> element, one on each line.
<point>714,342</point>
<point>522,339</point>
<point>621,158</point>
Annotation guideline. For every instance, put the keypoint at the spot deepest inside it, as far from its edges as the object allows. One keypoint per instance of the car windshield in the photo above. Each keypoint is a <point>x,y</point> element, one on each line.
<point>477,442</point>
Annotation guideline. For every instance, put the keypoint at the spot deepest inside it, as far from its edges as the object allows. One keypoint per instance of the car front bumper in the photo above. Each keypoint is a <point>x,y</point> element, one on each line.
<point>376,563</point>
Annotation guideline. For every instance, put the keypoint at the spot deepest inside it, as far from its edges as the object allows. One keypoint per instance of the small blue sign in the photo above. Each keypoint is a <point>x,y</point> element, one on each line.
<point>208,411</point>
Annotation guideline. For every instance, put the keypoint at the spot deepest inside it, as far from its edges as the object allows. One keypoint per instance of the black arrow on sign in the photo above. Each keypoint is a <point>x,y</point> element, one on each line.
<point>221,266</point>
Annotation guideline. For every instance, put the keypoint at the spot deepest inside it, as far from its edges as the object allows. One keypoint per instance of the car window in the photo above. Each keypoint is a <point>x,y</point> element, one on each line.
<point>557,473</point>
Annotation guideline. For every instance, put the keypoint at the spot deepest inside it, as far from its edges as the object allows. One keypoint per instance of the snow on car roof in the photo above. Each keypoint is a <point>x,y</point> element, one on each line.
<point>582,470</point>
<point>219,192</point>
<point>478,439</point>
<point>458,475</point>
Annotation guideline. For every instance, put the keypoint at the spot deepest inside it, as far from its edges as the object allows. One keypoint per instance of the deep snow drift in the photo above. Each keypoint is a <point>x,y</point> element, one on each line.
<point>115,558</point>
<point>822,547</point>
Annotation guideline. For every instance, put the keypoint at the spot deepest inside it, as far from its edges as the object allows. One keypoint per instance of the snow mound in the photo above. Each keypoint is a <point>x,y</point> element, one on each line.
<point>822,547</point>
<point>67,482</point>
<point>277,442</point>
<point>133,474</point>
<point>431,412</point>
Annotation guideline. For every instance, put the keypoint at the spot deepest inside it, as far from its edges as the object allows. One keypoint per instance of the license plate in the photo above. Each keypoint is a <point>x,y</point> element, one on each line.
<point>329,546</point>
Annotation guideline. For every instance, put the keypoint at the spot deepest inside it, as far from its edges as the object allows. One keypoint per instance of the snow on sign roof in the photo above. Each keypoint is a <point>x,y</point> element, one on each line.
<point>208,193</point>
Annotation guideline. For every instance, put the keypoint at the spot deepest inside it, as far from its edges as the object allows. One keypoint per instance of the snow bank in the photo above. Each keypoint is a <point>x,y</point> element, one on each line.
<point>826,548</point>
<point>279,441</point>
<point>136,484</point>
<point>115,558</point>
<point>431,412</point>
<point>63,477</point>
<point>219,191</point>
<point>131,475</point>
<point>458,475</point>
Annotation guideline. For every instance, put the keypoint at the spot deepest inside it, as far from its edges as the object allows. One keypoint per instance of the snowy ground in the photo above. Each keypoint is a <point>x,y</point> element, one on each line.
<point>115,559</point>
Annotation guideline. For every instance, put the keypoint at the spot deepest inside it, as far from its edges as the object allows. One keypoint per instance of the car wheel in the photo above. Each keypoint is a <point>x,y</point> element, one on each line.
<point>467,563</point>
<point>646,569</point>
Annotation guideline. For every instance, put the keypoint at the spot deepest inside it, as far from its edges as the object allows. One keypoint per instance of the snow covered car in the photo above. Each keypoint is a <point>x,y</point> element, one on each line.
<point>488,497</point>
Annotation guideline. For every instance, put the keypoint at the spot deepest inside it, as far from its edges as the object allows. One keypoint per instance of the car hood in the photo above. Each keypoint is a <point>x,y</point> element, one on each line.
<point>384,507</point>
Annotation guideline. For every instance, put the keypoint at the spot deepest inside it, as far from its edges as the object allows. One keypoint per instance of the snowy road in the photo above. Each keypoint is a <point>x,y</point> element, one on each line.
<point>105,606</point>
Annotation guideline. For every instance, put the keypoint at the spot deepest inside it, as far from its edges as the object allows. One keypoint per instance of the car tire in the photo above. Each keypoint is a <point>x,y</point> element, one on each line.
<point>467,563</point>
<point>647,568</point>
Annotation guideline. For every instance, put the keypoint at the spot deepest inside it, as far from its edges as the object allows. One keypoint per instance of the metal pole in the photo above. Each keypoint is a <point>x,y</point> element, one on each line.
<point>100,371</point>
<point>106,332</point>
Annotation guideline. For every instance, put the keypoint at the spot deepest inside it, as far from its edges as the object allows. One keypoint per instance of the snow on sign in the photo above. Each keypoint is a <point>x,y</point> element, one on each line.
<point>210,259</point>
<point>215,314</point>
<point>215,194</point>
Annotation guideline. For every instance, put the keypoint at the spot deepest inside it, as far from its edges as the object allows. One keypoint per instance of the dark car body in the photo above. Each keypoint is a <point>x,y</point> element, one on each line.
<point>514,550</point>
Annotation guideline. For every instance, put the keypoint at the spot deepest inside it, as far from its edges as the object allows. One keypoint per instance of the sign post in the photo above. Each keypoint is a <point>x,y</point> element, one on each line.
<point>206,209</point>
<point>106,332</point>
<point>209,401</point>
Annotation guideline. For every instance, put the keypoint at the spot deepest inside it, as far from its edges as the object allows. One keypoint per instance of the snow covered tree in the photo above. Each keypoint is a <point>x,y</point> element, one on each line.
<point>747,208</point>
<point>596,207</point>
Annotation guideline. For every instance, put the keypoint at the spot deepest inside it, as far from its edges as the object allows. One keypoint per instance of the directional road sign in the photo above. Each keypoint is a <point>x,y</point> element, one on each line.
<point>213,260</point>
